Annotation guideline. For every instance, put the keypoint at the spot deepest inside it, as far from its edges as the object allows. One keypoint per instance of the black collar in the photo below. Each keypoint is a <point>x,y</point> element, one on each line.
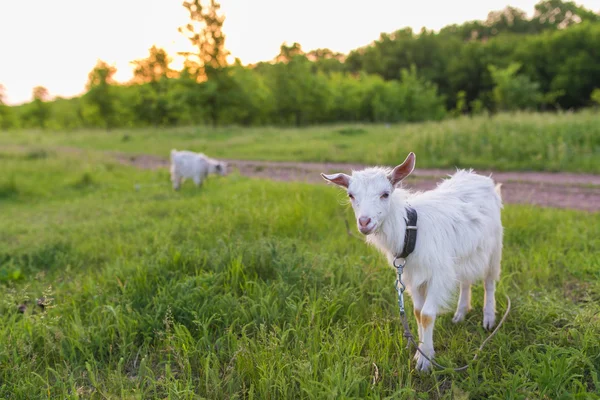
<point>410,236</point>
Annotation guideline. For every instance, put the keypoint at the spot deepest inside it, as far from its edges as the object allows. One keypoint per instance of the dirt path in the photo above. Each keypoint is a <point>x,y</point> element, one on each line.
<point>561,190</point>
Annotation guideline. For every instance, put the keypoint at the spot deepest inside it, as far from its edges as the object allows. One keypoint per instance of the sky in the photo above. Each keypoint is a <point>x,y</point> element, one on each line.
<point>56,43</point>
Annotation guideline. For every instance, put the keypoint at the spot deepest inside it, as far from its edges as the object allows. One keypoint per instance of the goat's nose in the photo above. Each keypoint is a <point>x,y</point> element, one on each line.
<point>364,221</point>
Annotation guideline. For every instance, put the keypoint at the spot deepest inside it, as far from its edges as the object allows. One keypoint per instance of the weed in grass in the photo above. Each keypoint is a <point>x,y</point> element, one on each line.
<point>351,131</point>
<point>9,273</point>
<point>9,188</point>
<point>84,181</point>
<point>37,154</point>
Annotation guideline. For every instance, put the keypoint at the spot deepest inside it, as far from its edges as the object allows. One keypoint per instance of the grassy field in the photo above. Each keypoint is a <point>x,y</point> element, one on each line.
<point>253,289</point>
<point>544,142</point>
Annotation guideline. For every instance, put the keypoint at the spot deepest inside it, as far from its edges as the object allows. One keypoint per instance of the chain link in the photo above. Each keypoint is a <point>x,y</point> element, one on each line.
<point>399,264</point>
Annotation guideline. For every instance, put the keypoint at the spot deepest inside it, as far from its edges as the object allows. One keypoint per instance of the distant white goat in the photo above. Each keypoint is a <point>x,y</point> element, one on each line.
<point>459,238</point>
<point>187,164</point>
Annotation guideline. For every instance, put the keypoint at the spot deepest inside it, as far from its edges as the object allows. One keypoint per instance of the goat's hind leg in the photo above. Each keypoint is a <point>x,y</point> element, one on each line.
<point>489,302</point>
<point>489,285</point>
<point>464,302</point>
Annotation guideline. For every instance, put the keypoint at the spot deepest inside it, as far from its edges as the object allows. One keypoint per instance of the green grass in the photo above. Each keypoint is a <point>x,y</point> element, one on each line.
<point>253,289</point>
<point>544,142</point>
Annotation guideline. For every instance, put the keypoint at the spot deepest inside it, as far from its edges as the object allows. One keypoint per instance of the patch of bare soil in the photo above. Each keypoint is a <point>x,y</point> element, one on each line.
<point>560,190</point>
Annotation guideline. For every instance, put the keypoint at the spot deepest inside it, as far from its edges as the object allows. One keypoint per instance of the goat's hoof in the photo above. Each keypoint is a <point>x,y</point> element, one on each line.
<point>489,320</point>
<point>423,364</point>
<point>459,316</point>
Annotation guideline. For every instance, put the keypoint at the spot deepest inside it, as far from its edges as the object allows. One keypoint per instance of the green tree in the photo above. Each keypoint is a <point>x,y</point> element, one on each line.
<point>301,96</point>
<point>209,61</point>
<point>66,114</point>
<point>187,97</point>
<point>153,68</point>
<point>409,100</point>
<point>461,103</point>
<point>510,19</point>
<point>558,14</point>
<point>152,104</point>
<point>595,97</point>
<point>556,50</point>
<point>100,92</point>
<point>513,91</point>
<point>347,93</point>
<point>288,53</point>
<point>41,108</point>
<point>252,100</point>
<point>6,114</point>
<point>205,32</point>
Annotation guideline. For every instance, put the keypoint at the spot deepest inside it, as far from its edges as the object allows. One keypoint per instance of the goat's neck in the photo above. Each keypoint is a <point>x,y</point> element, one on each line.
<point>390,236</point>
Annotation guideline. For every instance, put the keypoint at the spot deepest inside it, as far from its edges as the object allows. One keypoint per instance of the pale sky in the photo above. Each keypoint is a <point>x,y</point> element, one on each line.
<point>56,43</point>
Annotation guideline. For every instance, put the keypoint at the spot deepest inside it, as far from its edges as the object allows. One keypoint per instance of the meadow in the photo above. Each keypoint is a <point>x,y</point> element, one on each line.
<point>253,289</point>
<point>518,141</point>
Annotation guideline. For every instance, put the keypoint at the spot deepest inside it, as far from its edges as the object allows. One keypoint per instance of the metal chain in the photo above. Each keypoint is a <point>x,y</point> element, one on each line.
<point>399,264</point>
<point>400,286</point>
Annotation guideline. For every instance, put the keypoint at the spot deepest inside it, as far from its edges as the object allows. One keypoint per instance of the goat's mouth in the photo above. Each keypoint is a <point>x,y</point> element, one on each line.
<point>367,230</point>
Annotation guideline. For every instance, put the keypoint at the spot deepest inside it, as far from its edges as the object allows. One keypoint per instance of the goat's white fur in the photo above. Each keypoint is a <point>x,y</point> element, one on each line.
<point>197,166</point>
<point>459,238</point>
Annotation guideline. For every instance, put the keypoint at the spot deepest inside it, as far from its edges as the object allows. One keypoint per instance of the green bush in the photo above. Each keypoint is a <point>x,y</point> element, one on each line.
<point>514,92</point>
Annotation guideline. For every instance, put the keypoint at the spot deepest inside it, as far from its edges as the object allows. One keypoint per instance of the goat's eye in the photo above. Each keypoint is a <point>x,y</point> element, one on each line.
<point>385,195</point>
<point>350,195</point>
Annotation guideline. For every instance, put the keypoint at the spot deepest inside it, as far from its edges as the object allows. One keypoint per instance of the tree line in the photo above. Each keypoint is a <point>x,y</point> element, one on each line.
<point>507,62</point>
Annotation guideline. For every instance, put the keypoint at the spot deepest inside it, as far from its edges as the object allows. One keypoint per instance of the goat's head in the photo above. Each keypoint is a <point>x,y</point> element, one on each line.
<point>370,191</point>
<point>221,168</point>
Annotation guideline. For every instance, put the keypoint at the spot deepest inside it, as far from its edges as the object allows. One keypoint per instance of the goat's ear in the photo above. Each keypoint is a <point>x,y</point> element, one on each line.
<point>338,179</point>
<point>403,170</point>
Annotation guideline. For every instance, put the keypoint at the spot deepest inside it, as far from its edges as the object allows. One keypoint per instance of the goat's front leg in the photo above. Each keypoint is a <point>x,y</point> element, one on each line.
<point>464,302</point>
<point>428,315</point>
<point>418,299</point>
<point>198,180</point>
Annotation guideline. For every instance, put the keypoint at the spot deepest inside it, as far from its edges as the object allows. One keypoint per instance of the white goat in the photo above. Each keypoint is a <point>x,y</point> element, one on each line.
<point>459,238</point>
<point>187,164</point>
